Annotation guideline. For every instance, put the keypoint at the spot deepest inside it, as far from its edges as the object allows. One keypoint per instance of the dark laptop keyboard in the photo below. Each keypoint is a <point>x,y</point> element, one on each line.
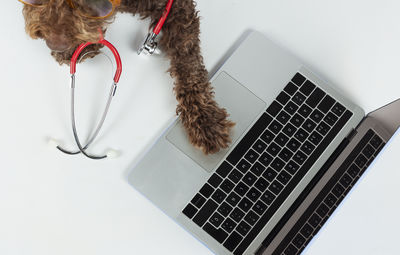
<point>267,164</point>
<point>331,195</point>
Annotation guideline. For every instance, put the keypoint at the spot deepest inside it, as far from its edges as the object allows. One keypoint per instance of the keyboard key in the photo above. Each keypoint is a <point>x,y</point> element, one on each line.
<point>235,176</point>
<point>243,166</point>
<point>289,130</point>
<point>205,212</point>
<point>273,149</point>
<point>224,209</point>
<point>217,234</point>
<point>189,211</point>
<point>274,108</point>
<point>259,146</point>
<point>291,108</point>
<point>267,197</point>
<point>291,250</point>
<point>330,201</point>
<point>299,157</point>
<point>245,204</point>
<point>338,190</point>
<point>290,88</point>
<point>206,190</point>
<point>331,119</point>
<point>338,109</point>
<point>316,116</point>
<point>326,104</point>
<point>285,154</point>
<point>283,98</point>
<point>259,207</point>
<point>216,219</point>
<point>267,136</point>
<point>368,151</point>
<point>297,120</point>
<point>346,180</point>
<point>257,169</point>
<point>275,127</point>
<point>307,230</point>
<point>298,79</point>
<point>198,200</point>
<point>322,210</point>
<point>301,135</point>
<point>309,125</point>
<point>305,111</point>
<point>307,88</point>
<point>293,145</point>
<point>314,220</point>
<point>361,160</point>
<point>228,225</point>
<point>265,159</point>
<point>233,240</point>
<point>353,171</point>
<point>241,189</point>
<point>376,141</point>
<point>251,156</point>
<point>218,196</point>
<point>243,228</point>
<point>281,139</point>
<point>298,98</point>
<point>227,186</point>
<point>215,180</point>
<point>269,174</point>
<point>277,164</point>
<point>315,138</point>
<point>237,215</point>
<point>251,218</point>
<point>323,128</point>
<point>284,177</point>
<point>224,169</point>
<point>249,179</point>
<point>275,187</point>
<point>315,98</point>
<point>298,241</point>
<point>253,194</point>
<point>233,199</point>
<point>249,139</point>
<point>283,117</point>
<point>292,167</point>
<point>261,184</point>
<point>307,148</point>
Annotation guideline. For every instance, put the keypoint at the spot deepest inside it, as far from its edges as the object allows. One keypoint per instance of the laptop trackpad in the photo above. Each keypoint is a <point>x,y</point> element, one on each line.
<point>243,107</point>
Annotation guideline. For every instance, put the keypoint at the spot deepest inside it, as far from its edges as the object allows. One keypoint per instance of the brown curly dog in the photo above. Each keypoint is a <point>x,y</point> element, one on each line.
<point>63,27</point>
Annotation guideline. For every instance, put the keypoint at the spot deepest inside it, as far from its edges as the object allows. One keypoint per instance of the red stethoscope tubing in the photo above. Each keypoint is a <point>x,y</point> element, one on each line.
<point>160,23</point>
<point>106,43</point>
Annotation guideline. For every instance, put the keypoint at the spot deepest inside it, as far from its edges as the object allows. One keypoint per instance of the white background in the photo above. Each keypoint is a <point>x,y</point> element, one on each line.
<point>51,203</point>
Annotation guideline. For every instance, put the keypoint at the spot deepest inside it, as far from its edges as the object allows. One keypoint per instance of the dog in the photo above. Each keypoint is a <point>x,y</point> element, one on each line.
<point>63,26</point>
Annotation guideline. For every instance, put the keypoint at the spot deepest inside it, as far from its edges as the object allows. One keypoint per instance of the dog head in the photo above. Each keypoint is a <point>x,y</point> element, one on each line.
<point>63,25</point>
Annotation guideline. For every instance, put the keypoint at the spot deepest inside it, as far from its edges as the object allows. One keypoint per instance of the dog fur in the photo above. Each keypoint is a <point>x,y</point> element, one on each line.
<point>206,124</point>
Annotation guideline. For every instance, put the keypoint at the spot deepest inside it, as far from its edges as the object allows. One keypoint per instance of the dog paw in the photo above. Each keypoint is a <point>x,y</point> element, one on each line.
<point>209,129</point>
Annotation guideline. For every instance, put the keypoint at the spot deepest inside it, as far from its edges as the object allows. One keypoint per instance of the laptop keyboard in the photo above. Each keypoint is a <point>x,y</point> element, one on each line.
<point>331,195</point>
<point>267,164</point>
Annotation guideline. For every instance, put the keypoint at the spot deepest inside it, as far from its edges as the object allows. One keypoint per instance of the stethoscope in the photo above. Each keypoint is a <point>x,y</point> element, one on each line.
<point>149,46</point>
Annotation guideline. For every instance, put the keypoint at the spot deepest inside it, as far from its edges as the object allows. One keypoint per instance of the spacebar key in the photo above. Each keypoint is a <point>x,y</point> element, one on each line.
<point>249,139</point>
<point>205,212</point>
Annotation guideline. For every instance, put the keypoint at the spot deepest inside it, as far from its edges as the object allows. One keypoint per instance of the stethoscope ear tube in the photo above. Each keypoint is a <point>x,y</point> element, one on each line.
<point>81,47</point>
<point>74,59</point>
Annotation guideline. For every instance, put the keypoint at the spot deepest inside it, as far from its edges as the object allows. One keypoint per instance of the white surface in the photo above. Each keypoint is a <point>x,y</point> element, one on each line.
<point>51,203</point>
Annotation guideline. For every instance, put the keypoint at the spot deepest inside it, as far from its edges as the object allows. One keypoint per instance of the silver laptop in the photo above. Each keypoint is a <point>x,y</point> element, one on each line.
<point>297,149</point>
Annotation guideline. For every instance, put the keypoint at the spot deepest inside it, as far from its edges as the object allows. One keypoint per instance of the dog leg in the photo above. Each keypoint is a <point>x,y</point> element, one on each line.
<point>206,124</point>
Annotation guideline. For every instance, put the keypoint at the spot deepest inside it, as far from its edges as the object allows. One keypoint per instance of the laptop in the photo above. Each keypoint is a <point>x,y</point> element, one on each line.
<point>297,149</point>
